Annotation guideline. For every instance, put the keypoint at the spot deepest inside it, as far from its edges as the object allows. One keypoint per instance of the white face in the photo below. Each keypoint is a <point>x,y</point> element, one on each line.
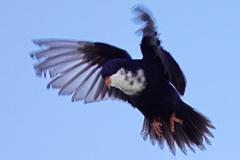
<point>128,82</point>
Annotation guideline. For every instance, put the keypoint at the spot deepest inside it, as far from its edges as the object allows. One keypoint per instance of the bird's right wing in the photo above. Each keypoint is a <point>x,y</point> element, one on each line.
<point>75,68</point>
<point>151,46</point>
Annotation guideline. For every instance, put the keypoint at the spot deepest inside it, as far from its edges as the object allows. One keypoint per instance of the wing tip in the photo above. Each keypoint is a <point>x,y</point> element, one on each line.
<point>140,8</point>
<point>143,14</point>
<point>35,41</point>
<point>38,42</point>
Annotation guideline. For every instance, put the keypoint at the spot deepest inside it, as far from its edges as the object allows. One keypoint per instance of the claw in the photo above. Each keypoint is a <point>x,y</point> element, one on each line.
<point>173,119</point>
<point>157,127</point>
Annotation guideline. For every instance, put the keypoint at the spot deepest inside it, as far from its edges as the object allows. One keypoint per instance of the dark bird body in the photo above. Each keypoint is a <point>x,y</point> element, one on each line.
<point>97,71</point>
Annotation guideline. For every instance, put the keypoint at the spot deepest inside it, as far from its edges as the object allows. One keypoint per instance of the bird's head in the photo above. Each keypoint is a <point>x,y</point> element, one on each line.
<point>110,68</point>
<point>124,75</point>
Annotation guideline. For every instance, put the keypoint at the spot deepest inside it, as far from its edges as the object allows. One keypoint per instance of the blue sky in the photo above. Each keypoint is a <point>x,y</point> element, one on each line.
<point>35,123</point>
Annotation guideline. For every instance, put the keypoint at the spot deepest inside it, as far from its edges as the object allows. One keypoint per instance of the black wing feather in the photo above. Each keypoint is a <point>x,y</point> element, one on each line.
<point>75,67</point>
<point>150,42</point>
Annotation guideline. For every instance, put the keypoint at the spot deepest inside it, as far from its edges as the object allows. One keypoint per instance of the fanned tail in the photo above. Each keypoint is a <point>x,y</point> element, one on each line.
<point>192,133</point>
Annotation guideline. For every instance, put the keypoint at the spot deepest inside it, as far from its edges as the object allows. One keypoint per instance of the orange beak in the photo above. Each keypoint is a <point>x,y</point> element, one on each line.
<point>108,82</point>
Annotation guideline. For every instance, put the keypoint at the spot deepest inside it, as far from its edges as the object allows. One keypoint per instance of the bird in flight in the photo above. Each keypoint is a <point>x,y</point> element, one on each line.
<point>94,71</point>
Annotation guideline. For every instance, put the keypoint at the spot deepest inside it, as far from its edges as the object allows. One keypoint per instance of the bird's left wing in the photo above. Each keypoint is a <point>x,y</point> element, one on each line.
<point>150,42</point>
<point>75,68</point>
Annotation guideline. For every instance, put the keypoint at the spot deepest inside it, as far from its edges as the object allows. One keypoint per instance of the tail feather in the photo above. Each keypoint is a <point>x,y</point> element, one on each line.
<point>194,131</point>
<point>168,137</point>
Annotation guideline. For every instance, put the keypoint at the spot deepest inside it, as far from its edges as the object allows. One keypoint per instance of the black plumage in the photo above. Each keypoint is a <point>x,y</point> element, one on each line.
<point>97,71</point>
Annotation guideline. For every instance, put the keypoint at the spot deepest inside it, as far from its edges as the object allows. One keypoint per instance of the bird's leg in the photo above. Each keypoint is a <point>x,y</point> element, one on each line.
<point>173,119</point>
<point>157,127</point>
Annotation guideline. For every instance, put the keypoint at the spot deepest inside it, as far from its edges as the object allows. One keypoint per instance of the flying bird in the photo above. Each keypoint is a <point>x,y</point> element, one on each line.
<point>94,71</point>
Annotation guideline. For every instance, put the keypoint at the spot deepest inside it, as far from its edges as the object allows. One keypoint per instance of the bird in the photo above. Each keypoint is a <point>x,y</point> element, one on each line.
<point>154,85</point>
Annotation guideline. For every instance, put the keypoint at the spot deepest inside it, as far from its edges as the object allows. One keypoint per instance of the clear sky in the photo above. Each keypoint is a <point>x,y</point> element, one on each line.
<point>36,124</point>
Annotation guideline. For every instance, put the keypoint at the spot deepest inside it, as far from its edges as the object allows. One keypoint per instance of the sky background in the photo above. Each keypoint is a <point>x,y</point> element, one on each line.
<point>37,124</point>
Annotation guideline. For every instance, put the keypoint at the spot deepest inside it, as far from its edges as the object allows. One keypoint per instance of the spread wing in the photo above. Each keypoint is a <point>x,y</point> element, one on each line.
<point>75,68</point>
<point>151,42</point>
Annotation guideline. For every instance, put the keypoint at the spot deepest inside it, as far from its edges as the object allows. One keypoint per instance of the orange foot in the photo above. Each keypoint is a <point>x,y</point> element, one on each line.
<point>157,127</point>
<point>173,119</point>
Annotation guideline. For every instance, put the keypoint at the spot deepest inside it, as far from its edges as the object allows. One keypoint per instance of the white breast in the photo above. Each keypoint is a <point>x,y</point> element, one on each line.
<point>130,83</point>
